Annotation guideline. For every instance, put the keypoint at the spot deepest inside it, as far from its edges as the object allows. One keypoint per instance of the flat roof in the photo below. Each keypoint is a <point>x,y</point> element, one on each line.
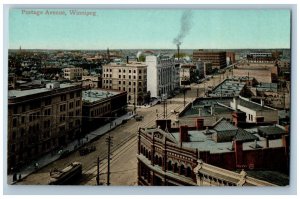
<point>22,93</point>
<point>94,95</point>
<point>203,142</point>
<point>228,88</point>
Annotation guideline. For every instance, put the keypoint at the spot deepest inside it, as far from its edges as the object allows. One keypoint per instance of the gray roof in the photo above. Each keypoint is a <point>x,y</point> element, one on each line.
<point>271,130</point>
<point>22,93</point>
<point>253,105</point>
<point>94,95</point>
<point>223,125</point>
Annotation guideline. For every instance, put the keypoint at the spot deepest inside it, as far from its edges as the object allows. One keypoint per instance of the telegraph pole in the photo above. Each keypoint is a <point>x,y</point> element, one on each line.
<point>109,143</point>
<point>98,171</point>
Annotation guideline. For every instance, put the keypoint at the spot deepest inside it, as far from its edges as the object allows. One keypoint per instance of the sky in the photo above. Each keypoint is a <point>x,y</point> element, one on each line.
<point>148,29</point>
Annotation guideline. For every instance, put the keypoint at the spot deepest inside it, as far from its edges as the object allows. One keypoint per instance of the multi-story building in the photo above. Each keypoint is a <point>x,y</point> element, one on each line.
<point>100,106</point>
<point>230,58</point>
<point>160,75</point>
<point>91,81</point>
<point>255,112</point>
<point>262,57</point>
<point>40,120</point>
<point>186,74</point>
<point>74,73</point>
<point>168,156</point>
<point>130,77</point>
<point>218,59</point>
<point>265,73</point>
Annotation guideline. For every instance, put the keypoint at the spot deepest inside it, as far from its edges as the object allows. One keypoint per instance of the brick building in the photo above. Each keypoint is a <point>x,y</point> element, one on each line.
<point>101,106</point>
<point>169,157</point>
<point>40,120</point>
<point>218,59</point>
<point>265,73</point>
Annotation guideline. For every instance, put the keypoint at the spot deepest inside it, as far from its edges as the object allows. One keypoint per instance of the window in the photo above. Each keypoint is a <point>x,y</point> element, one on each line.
<point>119,70</point>
<point>123,82</point>
<point>71,95</point>
<point>77,112</point>
<point>140,77</point>
<point>77,103</point>
<point>133,71</point>
<point>123,76</point>
<point>47,112</point>
<point>63,97</point>
<point>129,90</point>
<point>129,71</point>
<point>71,105</point>
<point>129,76</point>
<point>47,101</point>
<point>140,71</point>
<point>133,77</point>
<point>62,107</point>
<point>123,71</point>
<point>119,76</point>
<point>14,122</point>
<point>119,82</point>
<point>129,83</point>
<point>78,94</point>
<point>62,118</point>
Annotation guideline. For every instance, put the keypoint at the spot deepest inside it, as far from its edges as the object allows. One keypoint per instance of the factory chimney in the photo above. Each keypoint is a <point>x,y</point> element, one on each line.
<point>178,49</point>
<point>127,58</point>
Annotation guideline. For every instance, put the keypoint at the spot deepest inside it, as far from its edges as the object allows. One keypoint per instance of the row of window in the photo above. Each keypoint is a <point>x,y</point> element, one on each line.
<point>182,170</point>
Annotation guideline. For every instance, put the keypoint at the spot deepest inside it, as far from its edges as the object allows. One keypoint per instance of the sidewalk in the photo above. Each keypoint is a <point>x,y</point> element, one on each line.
<point>74,145</point>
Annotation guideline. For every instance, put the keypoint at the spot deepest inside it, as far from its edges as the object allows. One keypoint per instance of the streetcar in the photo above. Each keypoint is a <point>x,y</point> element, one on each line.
<point>66,176</point>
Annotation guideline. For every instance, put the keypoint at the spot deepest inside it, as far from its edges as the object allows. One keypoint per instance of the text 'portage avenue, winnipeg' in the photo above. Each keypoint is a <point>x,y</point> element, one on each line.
<point>73,12</point>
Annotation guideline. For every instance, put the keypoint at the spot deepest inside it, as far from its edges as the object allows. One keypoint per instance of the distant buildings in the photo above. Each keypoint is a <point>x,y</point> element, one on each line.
<point>40,120</point>
<point>186,73</point>
<point>73,73</point>
<point>230,58</point>
<point>261,57</point>
<point>130,77</point>
<point>91,81</point>
<point>160,75</point>
<point>266,73</point>
<point>218,59</point>
<point>101,106</point>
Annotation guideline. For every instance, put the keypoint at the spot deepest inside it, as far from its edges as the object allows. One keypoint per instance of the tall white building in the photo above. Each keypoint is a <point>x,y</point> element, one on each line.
<point>160,75</point>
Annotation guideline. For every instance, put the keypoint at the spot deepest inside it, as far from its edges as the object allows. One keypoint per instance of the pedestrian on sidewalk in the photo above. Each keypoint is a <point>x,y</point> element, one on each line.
<point>20,177</point>
<point>15,177</point>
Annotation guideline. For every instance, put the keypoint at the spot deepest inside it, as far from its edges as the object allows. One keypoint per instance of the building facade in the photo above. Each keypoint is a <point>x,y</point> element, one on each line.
<point>170,157</point>
<point>130,77</point>
<point>91,81</point>
<point>73,73</point>
<point>218,59</point>
<point>41,120</point>
<point>101,106</point>
<point>160,75</point>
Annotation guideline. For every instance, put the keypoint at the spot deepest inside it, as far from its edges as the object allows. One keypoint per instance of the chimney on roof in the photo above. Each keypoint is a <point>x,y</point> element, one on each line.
<point>200,124</point>
<point>127,59</point>
<point>183,134</point>
<point>238,149</point>
<point>267,142</point>
<point>234,104</point>
<point>212,109</point>
<point>262,103</point>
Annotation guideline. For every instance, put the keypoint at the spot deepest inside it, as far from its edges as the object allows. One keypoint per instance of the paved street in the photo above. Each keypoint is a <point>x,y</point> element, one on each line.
<point>123,163</point>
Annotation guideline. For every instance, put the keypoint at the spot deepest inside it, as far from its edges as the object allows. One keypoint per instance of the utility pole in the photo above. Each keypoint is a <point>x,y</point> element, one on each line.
<point>109,144</point>
<point>98,171</point>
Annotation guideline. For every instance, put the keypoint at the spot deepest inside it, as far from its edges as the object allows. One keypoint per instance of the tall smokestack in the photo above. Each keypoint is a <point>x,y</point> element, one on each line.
<point>178,48</point>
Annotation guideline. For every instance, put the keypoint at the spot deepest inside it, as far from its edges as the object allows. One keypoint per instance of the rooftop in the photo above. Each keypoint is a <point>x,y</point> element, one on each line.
<point>253,105</point>
<point>94,95</point>
<point>228,88</point>
<point>22,93</point>
<point>271,130</point>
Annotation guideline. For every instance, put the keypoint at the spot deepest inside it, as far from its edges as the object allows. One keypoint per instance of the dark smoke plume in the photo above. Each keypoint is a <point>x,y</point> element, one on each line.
<point>185,27</point>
